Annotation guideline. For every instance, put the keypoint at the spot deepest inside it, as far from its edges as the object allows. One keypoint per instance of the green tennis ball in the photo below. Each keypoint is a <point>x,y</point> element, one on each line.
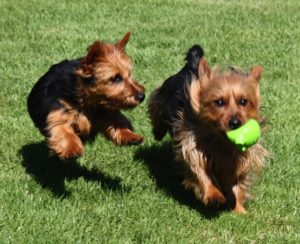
<point>245,136</point>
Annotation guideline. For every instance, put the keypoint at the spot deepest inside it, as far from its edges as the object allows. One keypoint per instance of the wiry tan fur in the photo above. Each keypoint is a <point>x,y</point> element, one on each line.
<point>215,169</point>
<point>209,174</point>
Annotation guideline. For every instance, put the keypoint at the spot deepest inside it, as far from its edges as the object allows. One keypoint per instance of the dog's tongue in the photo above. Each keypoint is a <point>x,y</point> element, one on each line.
<point>245,136</point>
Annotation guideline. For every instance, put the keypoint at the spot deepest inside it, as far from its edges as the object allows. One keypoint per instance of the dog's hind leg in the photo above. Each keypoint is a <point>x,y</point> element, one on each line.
<point>62,138</point>
<point>64,142</point>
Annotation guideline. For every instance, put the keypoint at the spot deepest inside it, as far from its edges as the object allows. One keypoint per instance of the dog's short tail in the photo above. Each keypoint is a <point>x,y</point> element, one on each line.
<point>193,56</point>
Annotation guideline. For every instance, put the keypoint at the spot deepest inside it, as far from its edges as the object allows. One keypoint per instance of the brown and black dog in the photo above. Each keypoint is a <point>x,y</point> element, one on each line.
<point>197,106</point>
<point>78,98</point>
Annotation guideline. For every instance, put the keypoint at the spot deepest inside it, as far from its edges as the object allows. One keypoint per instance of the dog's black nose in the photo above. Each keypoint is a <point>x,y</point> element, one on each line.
<point>234,123</point>
<point>140,96</point>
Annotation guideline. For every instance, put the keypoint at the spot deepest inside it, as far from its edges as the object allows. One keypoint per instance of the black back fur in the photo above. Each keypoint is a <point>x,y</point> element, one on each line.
<point>58,83</point>
<point>171,96</point>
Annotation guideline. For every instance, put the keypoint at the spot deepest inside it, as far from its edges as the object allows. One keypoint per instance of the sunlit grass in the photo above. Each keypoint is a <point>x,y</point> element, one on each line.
<point>133,194</point>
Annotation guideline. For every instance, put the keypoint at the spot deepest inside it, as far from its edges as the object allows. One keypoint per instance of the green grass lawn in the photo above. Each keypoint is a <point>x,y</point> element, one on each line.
<point>133,194</point>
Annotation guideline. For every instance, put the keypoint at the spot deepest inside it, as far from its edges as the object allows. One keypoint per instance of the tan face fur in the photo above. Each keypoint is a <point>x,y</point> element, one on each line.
<point>107,70</point>
<point>226,100</point>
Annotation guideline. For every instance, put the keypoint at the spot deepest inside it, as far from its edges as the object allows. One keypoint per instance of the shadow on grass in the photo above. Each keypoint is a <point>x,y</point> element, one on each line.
<point>168,176</point>
<point>51,172</point>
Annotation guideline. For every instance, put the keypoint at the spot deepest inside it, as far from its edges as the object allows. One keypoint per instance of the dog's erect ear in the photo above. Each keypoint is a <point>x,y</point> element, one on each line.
<point>122,43</point>
<point>94,52</point>
<point>204,71</point>
<point>204,74</point>
<point>256,72</point>
<point>194,95</point>
<point>86,65</point>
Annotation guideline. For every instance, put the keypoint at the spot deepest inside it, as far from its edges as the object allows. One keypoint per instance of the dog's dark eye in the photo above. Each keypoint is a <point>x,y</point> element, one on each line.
<point>243,102</point>
<point>118,78</point>
<point>219,102</point>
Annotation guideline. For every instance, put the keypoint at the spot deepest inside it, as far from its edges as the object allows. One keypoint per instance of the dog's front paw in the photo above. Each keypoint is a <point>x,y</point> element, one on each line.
<point>239,209</point>
<point>127,137</point>
<point>213,197</point>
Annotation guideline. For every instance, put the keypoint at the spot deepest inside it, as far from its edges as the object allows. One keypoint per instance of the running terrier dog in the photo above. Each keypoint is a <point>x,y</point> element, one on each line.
<point>78,98</point>
<point>197,106</point>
